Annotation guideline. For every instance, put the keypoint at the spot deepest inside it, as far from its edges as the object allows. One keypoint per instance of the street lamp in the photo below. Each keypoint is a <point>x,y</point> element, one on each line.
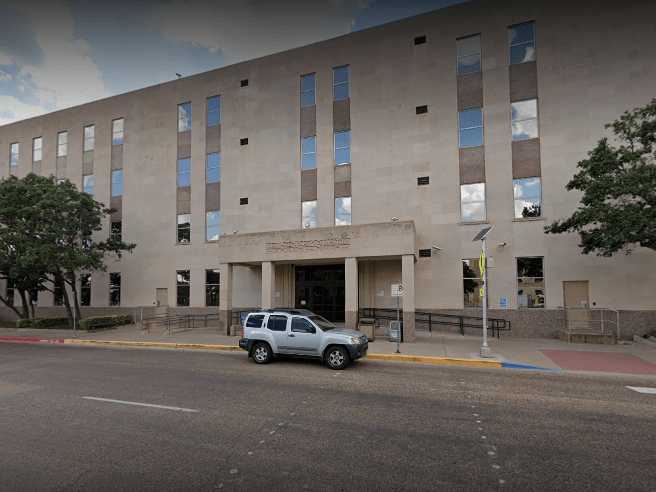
<point>482,236</point>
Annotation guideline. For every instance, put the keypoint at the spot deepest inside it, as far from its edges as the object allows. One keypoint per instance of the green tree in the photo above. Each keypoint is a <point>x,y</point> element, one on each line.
<point>617,209</point>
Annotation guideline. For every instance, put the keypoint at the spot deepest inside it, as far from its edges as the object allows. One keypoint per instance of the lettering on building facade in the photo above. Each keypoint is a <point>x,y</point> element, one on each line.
<point>332,241</point>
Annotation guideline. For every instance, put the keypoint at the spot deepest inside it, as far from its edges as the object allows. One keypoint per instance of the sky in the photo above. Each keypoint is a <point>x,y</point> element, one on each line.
<point>59,53</point>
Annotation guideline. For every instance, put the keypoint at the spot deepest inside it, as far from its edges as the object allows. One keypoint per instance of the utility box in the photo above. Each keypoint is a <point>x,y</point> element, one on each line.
<point>368,327</point>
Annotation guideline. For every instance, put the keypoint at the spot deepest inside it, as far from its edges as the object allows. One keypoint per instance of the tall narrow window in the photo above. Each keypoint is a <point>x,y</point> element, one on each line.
<point>309,153</point>
<point>117,230</point>
<point>85,289</point>
<point>213,225</point>
<point>308,88</point>
<point>341,83</point>
<point>524,115</point>
<point>522,43</point>
<point>117,182</point>
<point>469,54</point>
<point>309,214</point>
<point>471,283</point>
<point>114,289</point>
<point>343,211</point>
<point>37,149</point>
<point>470,125</point>
<point>530,282</point>
<point>213,111</point>
<point>62,144</point>
<point>184,117</point>
<point>14,156</point>
<point>528,197</point>
<point>183,283</point>
<point>58,293</point>
<point>472,202</point>
<point>213,170</point>
<point>342,147</point>
<point>89,184</point>
<point>184,172</point>
<point>89,138</point>
<point>212,279</point>
<point>184,228</point>
<point>9,292</point>
<point>117,131</point>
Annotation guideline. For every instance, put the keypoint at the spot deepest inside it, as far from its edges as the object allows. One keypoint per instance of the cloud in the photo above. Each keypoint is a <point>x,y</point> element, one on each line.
<point>52,68</point>
<point>253,28</point>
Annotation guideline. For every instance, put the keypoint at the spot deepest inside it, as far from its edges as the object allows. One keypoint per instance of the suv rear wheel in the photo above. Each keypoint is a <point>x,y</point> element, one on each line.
<point>337,358</point>
<point>262,353</point>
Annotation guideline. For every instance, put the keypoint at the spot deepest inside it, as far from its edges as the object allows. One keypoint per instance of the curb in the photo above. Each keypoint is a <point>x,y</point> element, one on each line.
<point>12,339</point>
<point>435,361</point>
<point>167,345</point>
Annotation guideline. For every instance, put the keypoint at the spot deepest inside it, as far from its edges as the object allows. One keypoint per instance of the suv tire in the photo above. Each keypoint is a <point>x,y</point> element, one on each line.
<point>337,357</point>
<point>262,353</point>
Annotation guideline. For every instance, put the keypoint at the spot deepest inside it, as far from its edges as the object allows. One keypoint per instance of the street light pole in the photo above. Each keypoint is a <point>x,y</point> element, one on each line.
<point>485,348</point>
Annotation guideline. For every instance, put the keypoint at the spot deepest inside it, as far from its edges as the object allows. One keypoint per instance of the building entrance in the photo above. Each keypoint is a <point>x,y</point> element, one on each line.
<point>320,288</point>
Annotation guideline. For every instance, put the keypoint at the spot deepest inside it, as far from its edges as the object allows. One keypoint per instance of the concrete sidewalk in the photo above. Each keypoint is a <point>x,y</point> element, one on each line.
<point>631,358</point>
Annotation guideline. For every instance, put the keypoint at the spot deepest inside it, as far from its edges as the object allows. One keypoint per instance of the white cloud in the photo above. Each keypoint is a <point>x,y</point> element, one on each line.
<point>65,74</point>
<point>253,28</point>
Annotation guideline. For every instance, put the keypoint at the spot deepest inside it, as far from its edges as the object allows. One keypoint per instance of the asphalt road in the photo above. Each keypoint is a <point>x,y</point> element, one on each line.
<point>295,425</point>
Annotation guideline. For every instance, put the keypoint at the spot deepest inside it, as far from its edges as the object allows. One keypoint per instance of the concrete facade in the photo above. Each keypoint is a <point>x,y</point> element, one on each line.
<point>588,70</point>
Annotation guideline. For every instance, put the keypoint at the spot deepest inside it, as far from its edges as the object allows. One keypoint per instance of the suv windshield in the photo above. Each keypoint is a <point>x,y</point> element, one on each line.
<point>322,323</point>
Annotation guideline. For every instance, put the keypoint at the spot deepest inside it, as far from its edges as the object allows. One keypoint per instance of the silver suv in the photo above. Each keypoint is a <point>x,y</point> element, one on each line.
<point>300,332</point>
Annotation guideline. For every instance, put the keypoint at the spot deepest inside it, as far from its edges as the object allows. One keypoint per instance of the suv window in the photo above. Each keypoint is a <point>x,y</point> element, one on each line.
<point>301,325</point>
<point>255,321</point>
<point>277,323</point>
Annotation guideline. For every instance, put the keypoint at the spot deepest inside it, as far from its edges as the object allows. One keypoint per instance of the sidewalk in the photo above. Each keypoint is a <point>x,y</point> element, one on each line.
<point>551,354</point>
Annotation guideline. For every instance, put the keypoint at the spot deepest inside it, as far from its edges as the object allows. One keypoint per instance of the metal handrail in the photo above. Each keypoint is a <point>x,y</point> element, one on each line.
<point>604,325</point>
<point>184,321</point>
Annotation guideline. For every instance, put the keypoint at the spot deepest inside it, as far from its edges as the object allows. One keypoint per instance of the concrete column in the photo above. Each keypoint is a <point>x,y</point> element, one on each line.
<point>408,281</point>
<point>268,284</point>
<point>225,298</point>
<point>351,293</point>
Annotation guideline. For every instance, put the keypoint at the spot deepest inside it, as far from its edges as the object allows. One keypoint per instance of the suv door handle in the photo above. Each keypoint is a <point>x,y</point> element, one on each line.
<point>291,335</point>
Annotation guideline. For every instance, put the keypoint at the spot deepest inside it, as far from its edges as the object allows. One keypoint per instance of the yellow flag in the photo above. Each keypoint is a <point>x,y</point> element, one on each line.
<point>482,263</point>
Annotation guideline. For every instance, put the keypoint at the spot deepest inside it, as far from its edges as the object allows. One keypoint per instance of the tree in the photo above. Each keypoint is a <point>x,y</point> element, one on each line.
<point>617,210</point>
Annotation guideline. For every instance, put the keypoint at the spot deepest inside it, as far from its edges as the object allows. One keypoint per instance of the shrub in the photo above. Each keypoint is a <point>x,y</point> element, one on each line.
<point>104,321</point>
<point>42,323</point>
<point>23,323</point>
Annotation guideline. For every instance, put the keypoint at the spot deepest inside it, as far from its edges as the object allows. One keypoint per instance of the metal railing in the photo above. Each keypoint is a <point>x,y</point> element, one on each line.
<point>181,322</point>
<point>594,321</point>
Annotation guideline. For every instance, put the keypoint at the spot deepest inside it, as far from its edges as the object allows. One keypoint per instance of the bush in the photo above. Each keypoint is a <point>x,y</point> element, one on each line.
<point>104,321</point>
<point>42,323</point>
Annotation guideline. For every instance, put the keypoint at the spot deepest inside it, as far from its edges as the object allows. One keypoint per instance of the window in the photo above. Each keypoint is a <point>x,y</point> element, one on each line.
<point>117,131</point>
<point>530,282</point>
<point>421,109</point>
<point>34,296</point>
<point>213,167</point>
<point>342,147</point>
<point>423,180</point>
<point>341,83</point>
<point>343,211</point>
<point>527,195</point>
<point>522,43</point>
<point>184,172</point>
<point>524,115</point>
<point>309,214</point>
<point>213,225</point>
<point>243,83</point>
<point>184,117</point>
<point>308,90</point>
<point>420,40</point>
<point>255,321</point>
<point>212,278</point>
<point>425,253</point>
<point>62,144</point>
<point>213,111</point>
<point>470,125</point>
<point>58,293</point>
<point>309,153</point>
<point>468,54</point>
<point>472,283</point>
<point>243,200</point>
<point>243,141</point>
<point>37,149</point>
<point>277,323</point>
<point>117,182</point>
<point>9,291</point>
<point>14,155</point>
<point>301,325</point>
<point>472,202</point>
<point>114,289</point>
<point>184,228</point>
<point>85,289</point>
<point>116,231</point>
<point>183,282</point>
<point>89,138</point>
<point>88,184</point>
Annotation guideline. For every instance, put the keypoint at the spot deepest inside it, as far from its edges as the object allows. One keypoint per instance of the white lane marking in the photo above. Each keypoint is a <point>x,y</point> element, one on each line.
<point>641,389</point>
<point>135,403</point>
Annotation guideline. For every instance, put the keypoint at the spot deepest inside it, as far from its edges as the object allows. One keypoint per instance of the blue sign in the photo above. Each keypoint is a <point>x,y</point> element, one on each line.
<point>503,303</point>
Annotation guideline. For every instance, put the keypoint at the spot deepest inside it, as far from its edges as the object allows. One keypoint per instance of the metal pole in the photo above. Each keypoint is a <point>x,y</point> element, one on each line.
<point>398,324</point>
<point>485,349</point>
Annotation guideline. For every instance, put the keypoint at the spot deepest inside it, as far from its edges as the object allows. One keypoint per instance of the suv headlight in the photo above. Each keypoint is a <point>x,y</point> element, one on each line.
<point>354,340</point>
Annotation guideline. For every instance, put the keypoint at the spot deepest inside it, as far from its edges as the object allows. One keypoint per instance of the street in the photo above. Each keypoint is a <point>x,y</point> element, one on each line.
<point>105,419</point>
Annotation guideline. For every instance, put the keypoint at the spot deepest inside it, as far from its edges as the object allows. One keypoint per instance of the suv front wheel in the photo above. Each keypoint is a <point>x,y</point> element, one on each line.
<point>262,353</point>
<point>337,358</point>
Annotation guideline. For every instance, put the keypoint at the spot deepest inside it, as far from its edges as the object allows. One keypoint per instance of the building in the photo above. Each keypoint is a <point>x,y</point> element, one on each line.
<point>320,176</point>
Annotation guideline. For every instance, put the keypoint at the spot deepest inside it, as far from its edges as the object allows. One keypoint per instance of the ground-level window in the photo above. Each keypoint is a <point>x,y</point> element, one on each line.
<point>58,293</point>
<point>114,289</point>
<point>212,279</point>
<point>116,231</point>
<point>183,283</point>
<point>9,293</point>
<point>530,282</point>
<point>343,211</point>
<point>85,289</point>
<point>472,283</point>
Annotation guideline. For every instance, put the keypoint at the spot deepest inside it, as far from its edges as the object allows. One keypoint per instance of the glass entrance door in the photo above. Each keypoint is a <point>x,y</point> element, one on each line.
<point>320,288</point>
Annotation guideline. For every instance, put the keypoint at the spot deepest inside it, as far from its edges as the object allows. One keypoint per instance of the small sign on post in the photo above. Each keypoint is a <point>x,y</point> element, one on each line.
<point>397,291</point>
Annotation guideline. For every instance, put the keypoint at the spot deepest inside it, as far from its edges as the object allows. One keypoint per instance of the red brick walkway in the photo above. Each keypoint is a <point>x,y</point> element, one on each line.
<point>583,360</point>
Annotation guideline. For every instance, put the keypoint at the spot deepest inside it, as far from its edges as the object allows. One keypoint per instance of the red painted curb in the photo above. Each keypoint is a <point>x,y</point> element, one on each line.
<point>30,340</point>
